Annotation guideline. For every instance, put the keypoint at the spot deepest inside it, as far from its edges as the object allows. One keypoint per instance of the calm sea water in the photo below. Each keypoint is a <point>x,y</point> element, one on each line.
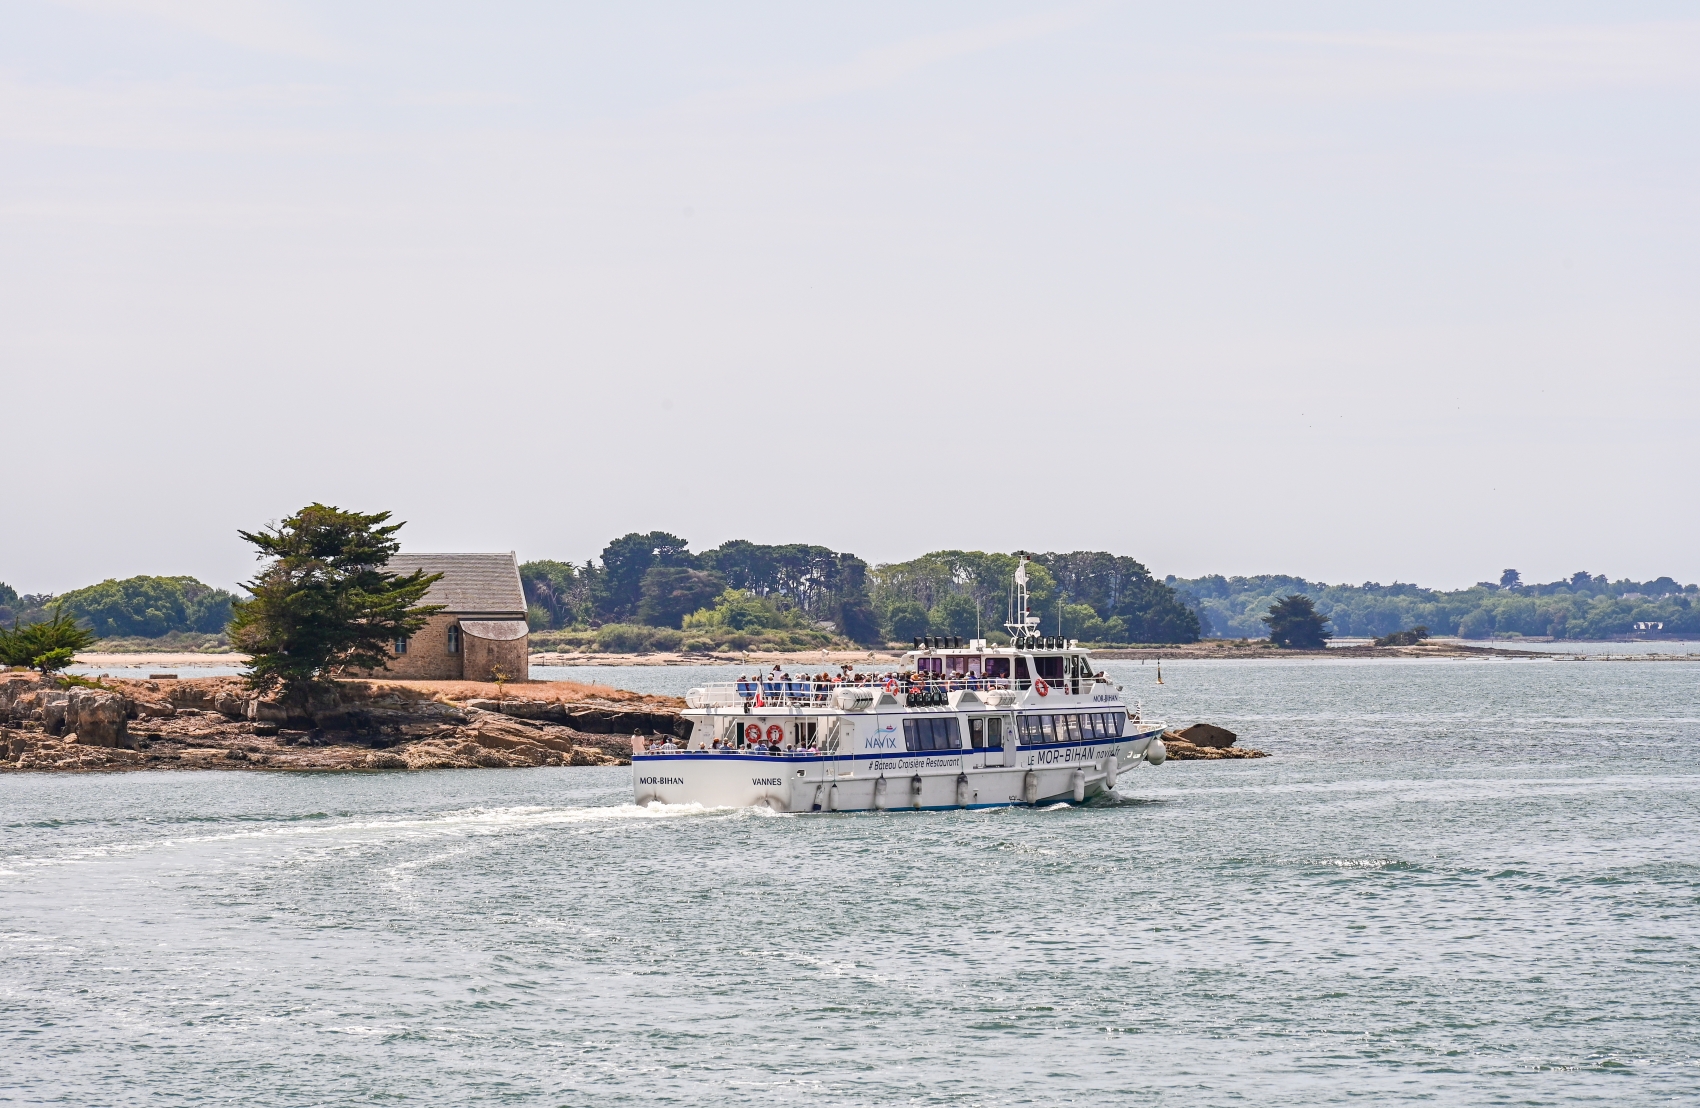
<point>1456,883</point>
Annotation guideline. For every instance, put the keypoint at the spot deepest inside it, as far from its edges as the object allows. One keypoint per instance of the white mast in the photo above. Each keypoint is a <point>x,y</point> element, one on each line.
<point>1026,624</point>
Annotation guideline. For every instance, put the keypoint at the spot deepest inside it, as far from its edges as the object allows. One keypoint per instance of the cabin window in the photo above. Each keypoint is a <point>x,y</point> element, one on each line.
<point>997,667</point>
<point>1100,726</point>
<point>932,733</point>
<point>994,732</point>
<point>400,647</point>
<point>1074,732</point>
<point>454,638</point>
<point>1048,728</point>
<point>977,734</point>
<point>1118,720</point>
<point>930,665</point>
<point>1050,667</point>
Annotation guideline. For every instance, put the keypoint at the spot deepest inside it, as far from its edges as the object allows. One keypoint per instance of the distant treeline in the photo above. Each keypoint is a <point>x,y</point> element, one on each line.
<point>1582,606</point>
<point>743,593</point>
<point>137,607</point>
<point>651,591</point>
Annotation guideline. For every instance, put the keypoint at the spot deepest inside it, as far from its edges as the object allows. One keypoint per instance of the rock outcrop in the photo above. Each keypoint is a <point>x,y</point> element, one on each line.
<point>1208,735</point>
<point>1206,742</point>
<point>83,716</point>
<point>217,723</point>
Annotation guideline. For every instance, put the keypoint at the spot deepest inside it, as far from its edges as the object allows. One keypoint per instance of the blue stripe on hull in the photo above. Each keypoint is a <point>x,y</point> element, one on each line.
<point>793,759</point>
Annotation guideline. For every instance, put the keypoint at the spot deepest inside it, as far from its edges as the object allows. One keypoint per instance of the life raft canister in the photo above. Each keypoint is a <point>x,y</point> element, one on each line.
<point>1041,688</point>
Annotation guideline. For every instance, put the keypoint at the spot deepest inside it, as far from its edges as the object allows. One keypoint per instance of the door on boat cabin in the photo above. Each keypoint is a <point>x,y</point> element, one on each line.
<point>987,733</point>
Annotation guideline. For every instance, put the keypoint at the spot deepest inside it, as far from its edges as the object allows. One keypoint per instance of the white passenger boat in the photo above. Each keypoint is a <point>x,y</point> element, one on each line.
<point>960,725</point>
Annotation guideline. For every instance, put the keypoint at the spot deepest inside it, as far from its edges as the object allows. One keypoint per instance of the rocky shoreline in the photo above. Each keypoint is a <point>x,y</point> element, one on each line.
<point>216,723</point>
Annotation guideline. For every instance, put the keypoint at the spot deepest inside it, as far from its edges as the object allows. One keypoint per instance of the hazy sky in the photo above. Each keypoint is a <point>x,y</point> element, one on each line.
<point>1347,290</point>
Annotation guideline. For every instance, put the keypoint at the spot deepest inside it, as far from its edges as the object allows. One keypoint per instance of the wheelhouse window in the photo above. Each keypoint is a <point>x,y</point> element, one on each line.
<point>454,638</point>
<point>997,667</point>
<point>1050,667</point>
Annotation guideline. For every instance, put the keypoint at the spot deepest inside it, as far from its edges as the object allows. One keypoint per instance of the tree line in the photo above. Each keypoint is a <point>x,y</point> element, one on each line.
<point>136,607</point>
<point>651,591</point>
<point>1581,606</point>
<point>743,588</point>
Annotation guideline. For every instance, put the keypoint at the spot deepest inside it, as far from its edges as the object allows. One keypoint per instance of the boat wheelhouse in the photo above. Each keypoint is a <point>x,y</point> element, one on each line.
<point>961,724</point>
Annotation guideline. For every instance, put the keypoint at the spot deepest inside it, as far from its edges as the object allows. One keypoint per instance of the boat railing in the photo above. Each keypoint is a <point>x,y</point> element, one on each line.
<point>912,690</point>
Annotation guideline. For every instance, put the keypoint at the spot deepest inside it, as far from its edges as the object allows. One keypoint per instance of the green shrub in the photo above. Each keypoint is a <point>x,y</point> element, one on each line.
<point>665,638</point>
<point>622,638</point>
<point>563,640</point>
<point>47,645</point>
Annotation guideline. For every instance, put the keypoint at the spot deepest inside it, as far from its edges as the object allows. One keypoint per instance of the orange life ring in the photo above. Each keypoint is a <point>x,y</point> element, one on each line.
<point>1041,688</point>
<point>774,732</point>
<point>891,684</point>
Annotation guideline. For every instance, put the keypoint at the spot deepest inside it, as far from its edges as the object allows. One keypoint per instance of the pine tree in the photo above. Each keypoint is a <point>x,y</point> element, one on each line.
<point>47,645</point>
<point>325,601</point>
<point>1294,623</point>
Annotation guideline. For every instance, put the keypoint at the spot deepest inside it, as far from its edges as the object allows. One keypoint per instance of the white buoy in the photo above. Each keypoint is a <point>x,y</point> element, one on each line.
<point>962,791</point>
<point>832,798</point>
<point>1112,766</point>
<point>1030,787</point>
<point>1078,781</point>
<point>915,791</point>
<point>880,794</point>
<point>1156,753</point>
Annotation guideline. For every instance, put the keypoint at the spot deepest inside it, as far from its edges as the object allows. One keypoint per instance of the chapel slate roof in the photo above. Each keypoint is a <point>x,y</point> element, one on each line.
<point>484,584</point>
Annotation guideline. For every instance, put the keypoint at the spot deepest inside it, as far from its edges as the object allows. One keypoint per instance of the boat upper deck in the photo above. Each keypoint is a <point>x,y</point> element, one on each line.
<point>942,673</point>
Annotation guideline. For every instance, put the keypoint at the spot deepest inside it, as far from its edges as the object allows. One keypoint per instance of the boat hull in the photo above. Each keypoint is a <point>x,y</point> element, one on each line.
<point>891,780</point>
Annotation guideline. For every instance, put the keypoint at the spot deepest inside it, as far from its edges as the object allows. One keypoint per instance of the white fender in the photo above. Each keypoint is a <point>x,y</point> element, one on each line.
<point>915,791</point>
<point>832,798</point>
<point>1078,780</point>
<point>879,794</point>
<point>1030,787</point>
<point>1156,753</point>
<point>1112,765</point>
<point>963,794</point>
<point>819,791</point>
